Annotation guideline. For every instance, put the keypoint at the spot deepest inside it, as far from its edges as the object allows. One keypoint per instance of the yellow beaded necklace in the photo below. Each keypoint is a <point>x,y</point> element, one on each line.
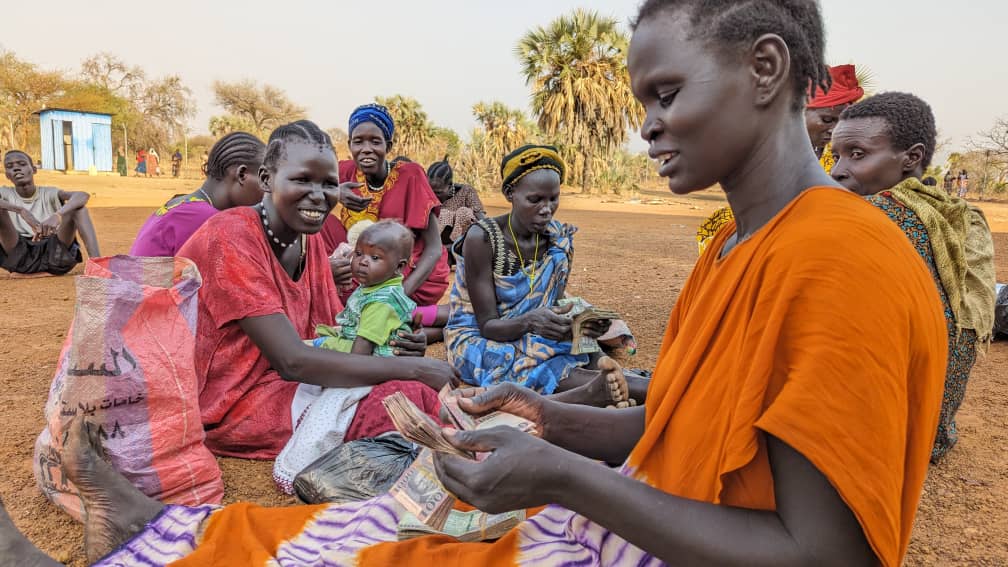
<point>531,276</point>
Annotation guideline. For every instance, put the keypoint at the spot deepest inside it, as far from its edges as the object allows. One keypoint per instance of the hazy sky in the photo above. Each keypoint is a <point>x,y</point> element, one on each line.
<point>332,56</point>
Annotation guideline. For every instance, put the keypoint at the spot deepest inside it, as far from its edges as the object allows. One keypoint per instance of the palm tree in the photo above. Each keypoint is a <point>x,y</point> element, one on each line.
<point>413,129</point>
<point>474,166</point>
<point>504,129</point>
<point>581,94</point>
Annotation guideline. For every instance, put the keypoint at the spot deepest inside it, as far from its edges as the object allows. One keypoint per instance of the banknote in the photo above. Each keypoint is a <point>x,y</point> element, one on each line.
<point>449,400</point>
<point>581,313</point>
<point>419,427</point>
<point>420,492</point>
<point>463,526</point>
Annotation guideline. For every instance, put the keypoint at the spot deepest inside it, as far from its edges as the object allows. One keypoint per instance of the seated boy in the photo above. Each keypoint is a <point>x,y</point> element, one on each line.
<point>380,307</point>
<point>38,235</point>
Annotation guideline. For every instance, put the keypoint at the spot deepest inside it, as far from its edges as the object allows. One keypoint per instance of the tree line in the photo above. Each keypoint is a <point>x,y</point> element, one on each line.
<point>575,68</point>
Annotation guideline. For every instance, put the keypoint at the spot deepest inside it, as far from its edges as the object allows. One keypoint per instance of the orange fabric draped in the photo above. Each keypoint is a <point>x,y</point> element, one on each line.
<point>247,535</point>
<point>824,329</point>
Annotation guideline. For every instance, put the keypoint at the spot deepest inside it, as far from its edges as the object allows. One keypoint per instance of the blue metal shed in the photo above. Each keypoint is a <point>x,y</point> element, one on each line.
<point>73,140</point>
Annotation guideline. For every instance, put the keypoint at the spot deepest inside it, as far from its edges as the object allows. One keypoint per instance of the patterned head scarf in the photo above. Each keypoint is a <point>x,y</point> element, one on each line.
<point>529,158</point>
<point>375,114</point>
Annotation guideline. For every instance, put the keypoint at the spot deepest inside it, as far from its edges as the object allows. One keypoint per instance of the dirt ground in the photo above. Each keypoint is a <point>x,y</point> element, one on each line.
<point>631,256</point>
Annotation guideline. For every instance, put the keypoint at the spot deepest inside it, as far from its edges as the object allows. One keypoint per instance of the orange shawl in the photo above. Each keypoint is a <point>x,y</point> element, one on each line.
<point>823,329</point>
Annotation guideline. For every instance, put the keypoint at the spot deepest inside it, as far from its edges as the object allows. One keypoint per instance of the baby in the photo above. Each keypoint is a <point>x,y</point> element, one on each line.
<point>379,308</point>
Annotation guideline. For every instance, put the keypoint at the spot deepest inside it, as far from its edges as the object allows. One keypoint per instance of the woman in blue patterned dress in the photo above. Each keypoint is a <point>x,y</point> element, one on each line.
<point>882,146</point>
<point>505,325</point>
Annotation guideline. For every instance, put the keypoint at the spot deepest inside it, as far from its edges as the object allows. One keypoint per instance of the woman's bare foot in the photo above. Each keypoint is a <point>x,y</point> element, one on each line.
<point>114,510</point>
<point>605,387</point>
<point>15,549</point>
<point>616,381</point>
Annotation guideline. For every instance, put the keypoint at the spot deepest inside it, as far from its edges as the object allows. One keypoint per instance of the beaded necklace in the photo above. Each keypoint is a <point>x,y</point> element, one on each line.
<point>207,197</point>
<point>531,276</point>
<point>349,218</point>
<point>269,231</point>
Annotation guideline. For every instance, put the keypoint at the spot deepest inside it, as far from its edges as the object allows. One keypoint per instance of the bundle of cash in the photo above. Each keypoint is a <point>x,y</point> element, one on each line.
<point>418,490</point>
<point>462,420</point>
<point>581,313</point>
<point>419,427</point>
<point>463,526</point>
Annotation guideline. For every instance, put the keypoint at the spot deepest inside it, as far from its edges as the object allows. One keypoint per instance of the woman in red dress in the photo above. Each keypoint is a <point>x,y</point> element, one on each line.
<point>398,191</point>
<point>266,285</point>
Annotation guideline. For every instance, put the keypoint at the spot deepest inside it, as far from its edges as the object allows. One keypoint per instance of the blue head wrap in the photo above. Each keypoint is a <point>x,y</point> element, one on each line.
<point>377,115</point>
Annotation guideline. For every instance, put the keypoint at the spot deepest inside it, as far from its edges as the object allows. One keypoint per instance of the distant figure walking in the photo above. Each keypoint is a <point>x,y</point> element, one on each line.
<point>963,184</point>
<point>141,162</point>
<point>176,163</point>
<point>121,161</point>
<point>153,163</point>
<point>949,182</point>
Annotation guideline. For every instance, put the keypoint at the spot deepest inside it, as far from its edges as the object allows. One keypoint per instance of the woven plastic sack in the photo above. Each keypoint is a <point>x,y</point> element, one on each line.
<point>127,366</point>
<point>355,471</point>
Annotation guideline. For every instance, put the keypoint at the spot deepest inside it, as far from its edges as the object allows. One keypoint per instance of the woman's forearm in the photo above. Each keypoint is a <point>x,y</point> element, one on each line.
<point>504,330</point>
<point>298,362</point>
<point>424,266</point>
<point>810,524</point>
<point>597,433</point>
<point>331,369</point>
<point>432,252</point>
<point>676,530</point>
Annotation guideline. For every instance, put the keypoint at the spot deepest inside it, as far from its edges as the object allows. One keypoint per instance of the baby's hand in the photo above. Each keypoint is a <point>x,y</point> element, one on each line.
<point>342,252</point>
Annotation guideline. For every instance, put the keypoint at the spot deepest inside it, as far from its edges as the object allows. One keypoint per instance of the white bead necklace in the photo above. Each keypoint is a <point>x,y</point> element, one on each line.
<point>269,231</point>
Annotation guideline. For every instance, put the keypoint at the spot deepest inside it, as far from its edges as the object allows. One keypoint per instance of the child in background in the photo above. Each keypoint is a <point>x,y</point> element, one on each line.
<point>379,308</point>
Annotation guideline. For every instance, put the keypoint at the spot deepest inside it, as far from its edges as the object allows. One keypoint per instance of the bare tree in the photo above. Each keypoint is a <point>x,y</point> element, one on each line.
<point>158,108</point>
<point>114,74</point>
<point>24,89</point>
<point>265,107</point>
<point>339,140</point>
<point>168,101</point>
<point>338,135</point>
<point>994,139</point>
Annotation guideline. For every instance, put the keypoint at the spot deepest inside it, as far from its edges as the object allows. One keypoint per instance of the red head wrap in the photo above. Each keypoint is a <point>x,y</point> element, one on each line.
<point>845,89</point>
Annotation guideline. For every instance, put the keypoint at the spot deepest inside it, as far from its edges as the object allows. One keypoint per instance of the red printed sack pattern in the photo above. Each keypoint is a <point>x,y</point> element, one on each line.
<point>127,367</point>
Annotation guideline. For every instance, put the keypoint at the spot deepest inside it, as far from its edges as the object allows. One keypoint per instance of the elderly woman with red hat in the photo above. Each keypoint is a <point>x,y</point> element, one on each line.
<point>823,110</point>
<point>821,113</point>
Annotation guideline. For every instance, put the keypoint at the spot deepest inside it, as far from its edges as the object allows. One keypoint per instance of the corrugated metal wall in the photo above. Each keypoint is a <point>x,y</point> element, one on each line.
<point>91,140</point>
<point>48,159</point>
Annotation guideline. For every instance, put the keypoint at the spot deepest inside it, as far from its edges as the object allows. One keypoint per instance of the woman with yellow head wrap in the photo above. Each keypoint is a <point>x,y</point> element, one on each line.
<point>511,271</point>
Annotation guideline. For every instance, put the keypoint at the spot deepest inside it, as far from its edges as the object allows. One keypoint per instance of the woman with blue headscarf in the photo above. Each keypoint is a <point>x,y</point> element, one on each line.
<point>398,191</point>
